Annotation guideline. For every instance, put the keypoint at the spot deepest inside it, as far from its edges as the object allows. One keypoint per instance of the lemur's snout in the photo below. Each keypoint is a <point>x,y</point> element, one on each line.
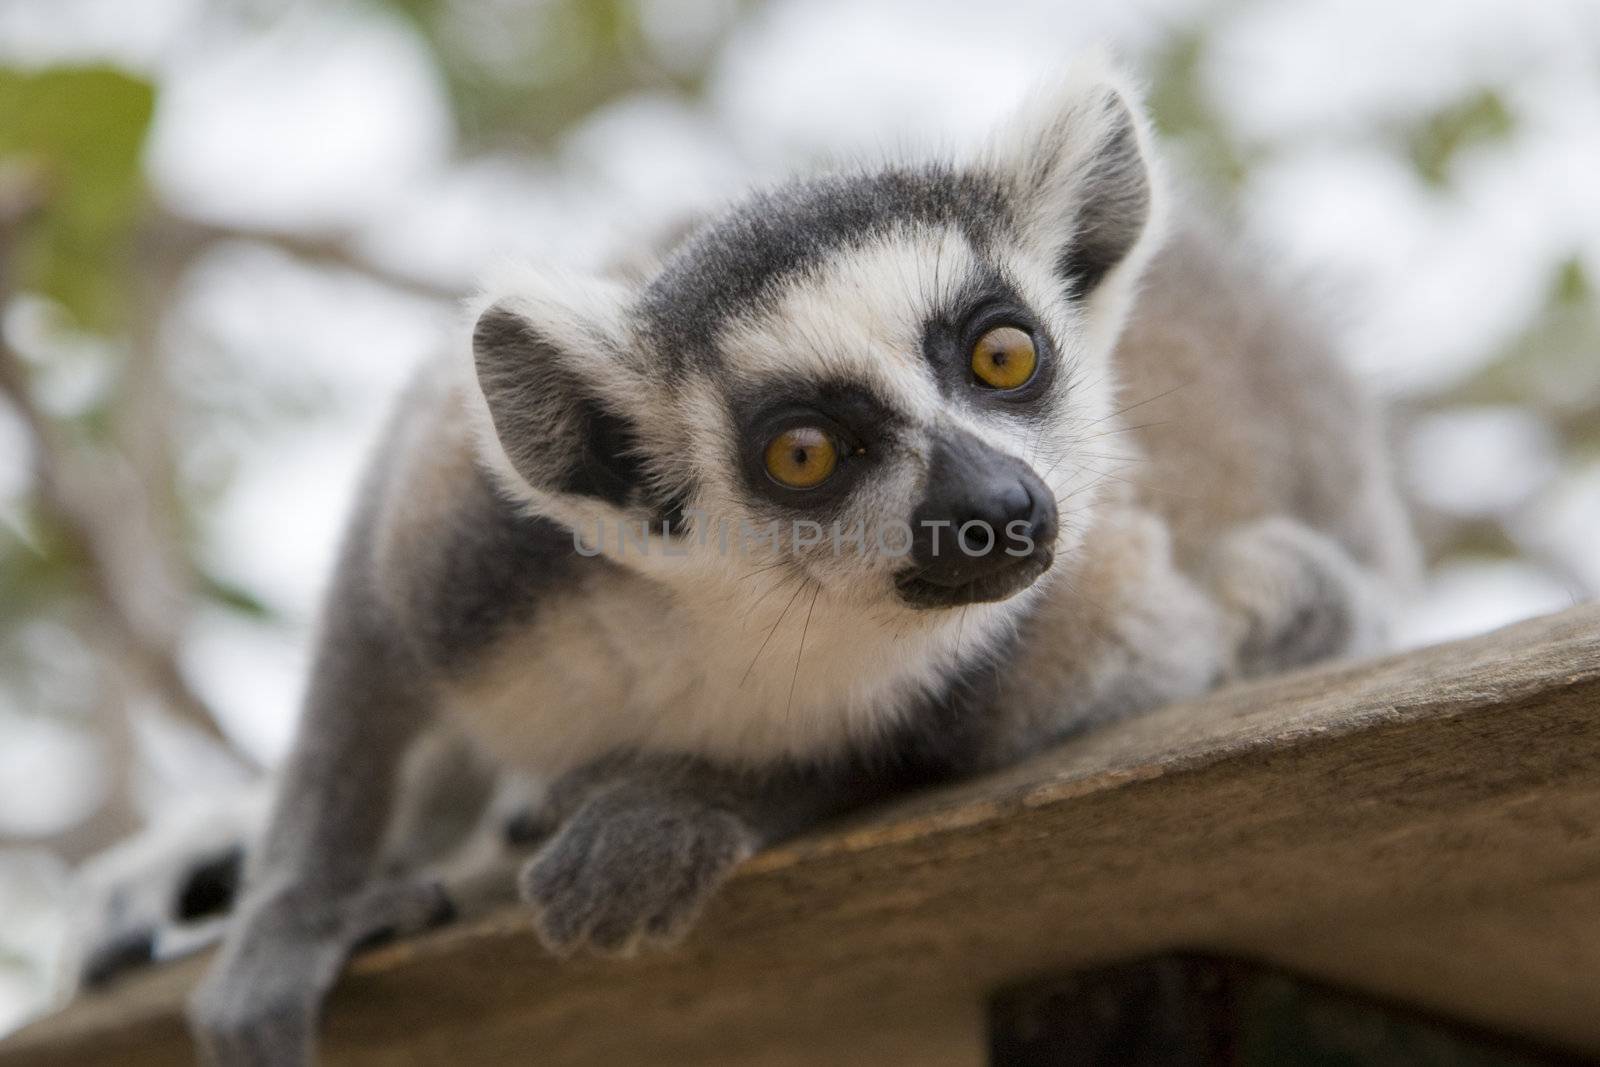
<point>986,527</point>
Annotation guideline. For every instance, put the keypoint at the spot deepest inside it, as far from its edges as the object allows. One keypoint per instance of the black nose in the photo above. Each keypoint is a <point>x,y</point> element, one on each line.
<point>984,515</point>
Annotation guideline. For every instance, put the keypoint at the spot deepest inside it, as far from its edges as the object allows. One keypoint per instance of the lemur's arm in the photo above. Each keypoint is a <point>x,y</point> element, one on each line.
<point>635,845</point>
<point>311,896</point>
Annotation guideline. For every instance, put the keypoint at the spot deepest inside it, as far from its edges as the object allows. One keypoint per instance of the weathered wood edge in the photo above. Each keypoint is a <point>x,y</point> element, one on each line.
<point>1552,661</point>
<point>1493,670</point>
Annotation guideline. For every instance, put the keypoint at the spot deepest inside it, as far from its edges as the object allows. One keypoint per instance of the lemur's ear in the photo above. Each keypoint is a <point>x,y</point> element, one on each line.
<point>1080,173</point>
<point>555,377</point>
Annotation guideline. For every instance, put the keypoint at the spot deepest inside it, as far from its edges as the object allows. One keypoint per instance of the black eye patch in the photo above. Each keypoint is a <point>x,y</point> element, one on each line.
<point>860,424</point>
<point>988,301</point>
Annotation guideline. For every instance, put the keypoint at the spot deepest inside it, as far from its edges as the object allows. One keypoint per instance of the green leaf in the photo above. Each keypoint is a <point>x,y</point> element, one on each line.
<point>1549,365</point>
<point>78,131</point>
<point>36,564</point>
<point>1572,286</point>
<point>522,72</point>
<point>1479,119</point>
<point>1186,117</point>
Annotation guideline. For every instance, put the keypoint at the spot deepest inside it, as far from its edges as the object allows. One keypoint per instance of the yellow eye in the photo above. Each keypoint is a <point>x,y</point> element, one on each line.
<point>801,458</point>
<point>1004,358</point>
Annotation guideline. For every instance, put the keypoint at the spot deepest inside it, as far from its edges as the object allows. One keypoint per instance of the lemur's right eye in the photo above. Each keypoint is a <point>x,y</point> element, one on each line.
<point>1004,358</point>
<point>801,458</point>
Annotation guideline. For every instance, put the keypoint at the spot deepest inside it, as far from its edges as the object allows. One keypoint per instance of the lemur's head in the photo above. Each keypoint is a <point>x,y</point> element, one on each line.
<point>889,381</point>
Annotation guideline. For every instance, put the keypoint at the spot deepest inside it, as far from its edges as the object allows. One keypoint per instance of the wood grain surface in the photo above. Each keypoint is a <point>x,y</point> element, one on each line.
<point>1425,828</point>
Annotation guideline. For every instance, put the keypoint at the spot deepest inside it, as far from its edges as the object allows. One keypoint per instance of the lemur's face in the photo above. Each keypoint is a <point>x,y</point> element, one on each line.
<point>888,383</point>
<point>874,375</point>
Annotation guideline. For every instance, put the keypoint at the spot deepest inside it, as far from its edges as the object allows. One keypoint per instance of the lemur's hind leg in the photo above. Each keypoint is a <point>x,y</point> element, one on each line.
<point>1293,596</point>
<point>311,894</point>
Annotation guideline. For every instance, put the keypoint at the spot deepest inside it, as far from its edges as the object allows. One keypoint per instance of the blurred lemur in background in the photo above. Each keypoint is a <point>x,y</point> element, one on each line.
<point>926,387</point>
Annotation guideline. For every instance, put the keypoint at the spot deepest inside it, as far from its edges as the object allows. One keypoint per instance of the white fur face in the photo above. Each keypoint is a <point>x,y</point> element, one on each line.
<point>861,319</point>
<point>848,308</point>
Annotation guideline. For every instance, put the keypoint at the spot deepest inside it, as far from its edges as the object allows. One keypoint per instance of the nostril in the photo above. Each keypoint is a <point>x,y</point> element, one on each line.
<point>977,537</point>
<point>985,529</point>
<point>1017,503</point>
<point>1018,506</point>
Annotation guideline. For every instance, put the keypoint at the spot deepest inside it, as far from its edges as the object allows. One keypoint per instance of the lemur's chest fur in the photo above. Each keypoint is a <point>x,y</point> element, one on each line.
<point>612,661</point>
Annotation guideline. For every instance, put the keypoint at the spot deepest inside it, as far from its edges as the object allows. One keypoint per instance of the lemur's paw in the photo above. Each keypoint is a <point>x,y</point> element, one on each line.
<point>1296,596</point>
<point>631,868</point>
<point>271,1024</point>
<point>259,1004</point>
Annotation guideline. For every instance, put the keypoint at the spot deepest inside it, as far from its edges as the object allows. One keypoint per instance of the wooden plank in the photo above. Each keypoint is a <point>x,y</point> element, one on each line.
<point>1425,828</point>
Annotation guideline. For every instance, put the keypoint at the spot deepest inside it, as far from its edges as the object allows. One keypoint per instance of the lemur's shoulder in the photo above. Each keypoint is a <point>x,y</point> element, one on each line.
<point>437,544</point>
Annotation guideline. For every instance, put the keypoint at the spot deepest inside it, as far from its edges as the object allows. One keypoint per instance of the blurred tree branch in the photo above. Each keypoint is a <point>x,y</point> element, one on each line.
<point>186,237</point>
<point>69,499</point>
<point>111,517</point>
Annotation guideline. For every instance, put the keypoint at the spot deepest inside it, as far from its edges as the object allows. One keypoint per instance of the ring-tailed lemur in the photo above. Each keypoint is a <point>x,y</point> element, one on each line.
<point>840,496</point>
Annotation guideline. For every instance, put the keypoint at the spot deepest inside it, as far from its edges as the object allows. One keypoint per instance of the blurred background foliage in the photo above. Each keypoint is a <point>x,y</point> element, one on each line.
<point>71,136</point>
<point>521,73</point>
<point>188,368</point>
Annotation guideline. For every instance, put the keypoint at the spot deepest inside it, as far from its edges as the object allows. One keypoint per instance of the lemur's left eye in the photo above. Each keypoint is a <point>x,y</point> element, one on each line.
<point>1004,358</point>
<point>801,458</point>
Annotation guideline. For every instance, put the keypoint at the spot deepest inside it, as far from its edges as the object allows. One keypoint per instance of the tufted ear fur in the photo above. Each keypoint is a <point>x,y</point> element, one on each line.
<point>1081,177</point>
<point>556,379</point>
